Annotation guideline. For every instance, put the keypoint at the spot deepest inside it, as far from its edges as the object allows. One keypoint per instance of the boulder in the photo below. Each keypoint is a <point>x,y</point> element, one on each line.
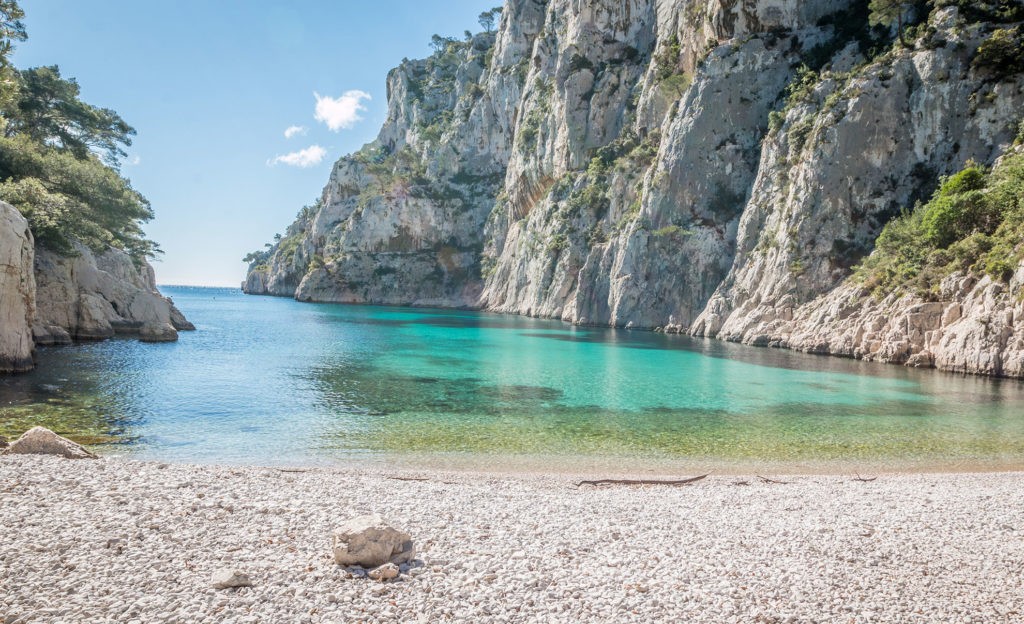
<point>158,332</point>
<point>370,542</point>
<point>227,578</point>
<point>42,441</point>
<point>17,291</point>
<point>50,335</point>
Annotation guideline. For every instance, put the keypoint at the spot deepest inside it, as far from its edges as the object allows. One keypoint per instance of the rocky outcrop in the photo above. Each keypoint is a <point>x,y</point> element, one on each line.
<point>48,298</point>
<point>17,291</point>
<point>42,441</point>
<point>974,327</point>
<point>88,296</point>
<point>714,168</point>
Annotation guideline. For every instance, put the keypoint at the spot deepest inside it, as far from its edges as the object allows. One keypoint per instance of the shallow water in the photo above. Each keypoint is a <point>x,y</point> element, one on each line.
<point>269,381</point>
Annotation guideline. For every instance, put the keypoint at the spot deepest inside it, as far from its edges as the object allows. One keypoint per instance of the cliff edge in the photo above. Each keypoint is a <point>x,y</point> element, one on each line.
<point>721,169</point>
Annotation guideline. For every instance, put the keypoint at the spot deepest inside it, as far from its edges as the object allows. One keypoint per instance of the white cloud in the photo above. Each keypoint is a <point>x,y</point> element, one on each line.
<point>340,113</point>
<point>308,157</point>
<point>292,131</point>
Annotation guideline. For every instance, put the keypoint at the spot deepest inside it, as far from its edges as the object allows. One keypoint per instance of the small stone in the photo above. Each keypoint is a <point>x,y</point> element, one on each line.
<point>42,441</point>
<point>230,577</point>
<point>385,572</point>
<point>3,442</point>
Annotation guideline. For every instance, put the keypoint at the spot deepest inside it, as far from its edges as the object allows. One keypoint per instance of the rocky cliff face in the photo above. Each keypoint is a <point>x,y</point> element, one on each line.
<point>47,298</point>
<point>93,297</point>
<point>715,168</point>
<point>17,291</point>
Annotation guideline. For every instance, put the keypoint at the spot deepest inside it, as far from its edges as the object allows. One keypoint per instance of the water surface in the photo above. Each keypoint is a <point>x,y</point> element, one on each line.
<point>268,381</point>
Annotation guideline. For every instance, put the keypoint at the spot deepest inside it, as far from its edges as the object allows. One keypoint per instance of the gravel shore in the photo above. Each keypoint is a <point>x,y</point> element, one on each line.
<point>113,540</point>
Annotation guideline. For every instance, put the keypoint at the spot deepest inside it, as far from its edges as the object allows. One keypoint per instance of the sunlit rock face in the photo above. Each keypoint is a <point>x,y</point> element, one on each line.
<point>17,291</point>
<point>89,296</point>
<point>669,164</point>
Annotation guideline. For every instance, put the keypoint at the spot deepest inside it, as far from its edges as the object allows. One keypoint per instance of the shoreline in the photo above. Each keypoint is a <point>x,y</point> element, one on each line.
<point>125,540</point>
<point>585,467</point>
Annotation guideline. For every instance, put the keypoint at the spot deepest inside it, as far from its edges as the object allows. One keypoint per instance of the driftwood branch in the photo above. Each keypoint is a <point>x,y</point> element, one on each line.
<point>865,479</point>
<point>772,481</point>
<point>642,481</point>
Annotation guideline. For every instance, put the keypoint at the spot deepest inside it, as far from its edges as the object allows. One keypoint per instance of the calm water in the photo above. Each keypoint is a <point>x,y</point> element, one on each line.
<point>269,380</point>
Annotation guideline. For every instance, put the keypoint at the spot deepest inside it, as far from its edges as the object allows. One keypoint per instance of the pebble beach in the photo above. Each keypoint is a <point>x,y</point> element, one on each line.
<point>115,540</point>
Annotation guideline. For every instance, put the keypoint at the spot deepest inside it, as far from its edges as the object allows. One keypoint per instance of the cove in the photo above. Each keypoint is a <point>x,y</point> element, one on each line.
<point>272,381</point>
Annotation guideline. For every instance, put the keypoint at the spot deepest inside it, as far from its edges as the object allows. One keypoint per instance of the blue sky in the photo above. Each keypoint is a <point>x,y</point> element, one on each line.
<point>211,87</point>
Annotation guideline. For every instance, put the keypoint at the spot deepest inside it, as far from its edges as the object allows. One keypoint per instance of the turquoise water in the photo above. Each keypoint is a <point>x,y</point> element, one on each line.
<point>268,380</point>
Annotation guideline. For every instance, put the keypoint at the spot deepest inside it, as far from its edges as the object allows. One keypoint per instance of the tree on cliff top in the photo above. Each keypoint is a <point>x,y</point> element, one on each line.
<point>59,158</point>
<point>887,12</point>
<point>48,110</point>
<point>488,18</point>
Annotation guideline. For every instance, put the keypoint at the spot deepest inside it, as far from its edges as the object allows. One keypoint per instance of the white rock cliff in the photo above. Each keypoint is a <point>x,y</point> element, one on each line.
<point>669,164</point>
<point>48,298</point>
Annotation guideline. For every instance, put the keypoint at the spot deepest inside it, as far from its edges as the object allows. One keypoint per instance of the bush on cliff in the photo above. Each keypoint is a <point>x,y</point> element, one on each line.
<point>973,223</point>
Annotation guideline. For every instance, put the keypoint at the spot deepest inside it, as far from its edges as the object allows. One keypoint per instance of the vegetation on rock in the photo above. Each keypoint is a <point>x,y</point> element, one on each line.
<point>974,222</point>
<point>59,158</point>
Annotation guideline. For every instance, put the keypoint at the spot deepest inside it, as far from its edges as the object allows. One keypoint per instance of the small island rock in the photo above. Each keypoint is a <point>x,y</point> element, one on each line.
<point>158,332</point>
<point>42,441</point>
<point>369,541</point>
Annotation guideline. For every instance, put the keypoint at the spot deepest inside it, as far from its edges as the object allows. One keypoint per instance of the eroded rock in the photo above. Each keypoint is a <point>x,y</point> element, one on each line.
<point>158,332</point>
<point>42,441</point>
<point>370,542</point>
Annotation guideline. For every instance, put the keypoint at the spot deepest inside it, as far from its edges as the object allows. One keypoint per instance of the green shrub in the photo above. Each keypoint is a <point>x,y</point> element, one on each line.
<point>974,222</point>
<point>1002,54</point>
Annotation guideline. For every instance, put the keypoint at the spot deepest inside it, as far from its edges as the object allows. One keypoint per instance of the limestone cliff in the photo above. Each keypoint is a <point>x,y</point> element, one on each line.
<point>17,291</point>
<point>88,296</point>
<point>48,298</point>
<point>709,167</point>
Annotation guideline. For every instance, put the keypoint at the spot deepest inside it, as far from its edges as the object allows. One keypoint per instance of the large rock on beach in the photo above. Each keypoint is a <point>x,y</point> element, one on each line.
<point>42,441</point>
<point>370,542</point>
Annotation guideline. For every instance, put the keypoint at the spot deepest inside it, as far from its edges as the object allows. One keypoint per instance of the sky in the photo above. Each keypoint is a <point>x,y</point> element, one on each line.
<point>241,106</point>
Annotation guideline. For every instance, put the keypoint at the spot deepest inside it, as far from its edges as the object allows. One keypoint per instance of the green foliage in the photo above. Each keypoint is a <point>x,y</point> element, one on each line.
<point>1002,54</point>
<point>487,19</point>
<point>675,86</point>
<point>999,11</point>
<point>666,62</point>
<point>59,158</point>
<point>11,28</point>
<point>579,62</point>
<point>671,231</point>
<point>974,222</point>
<point>48,110</point>
<point>889,12</point>
<point>65,197</point>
